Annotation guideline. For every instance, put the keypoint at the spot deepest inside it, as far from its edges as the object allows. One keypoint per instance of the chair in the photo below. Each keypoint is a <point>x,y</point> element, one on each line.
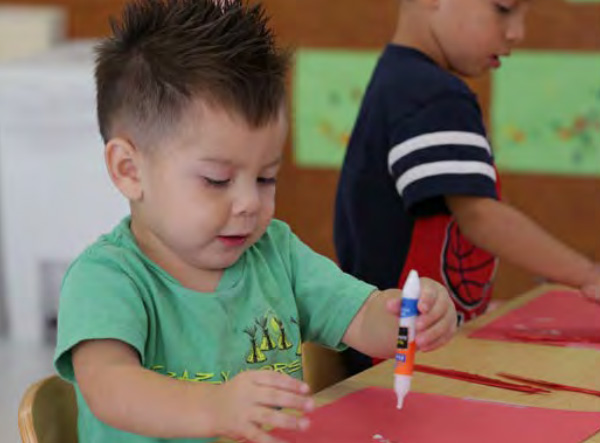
<point>48,412</point>
<point>322,367</point>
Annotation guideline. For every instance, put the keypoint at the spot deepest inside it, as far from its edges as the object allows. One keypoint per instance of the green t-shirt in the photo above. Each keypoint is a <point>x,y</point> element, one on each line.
<point>279,294</point>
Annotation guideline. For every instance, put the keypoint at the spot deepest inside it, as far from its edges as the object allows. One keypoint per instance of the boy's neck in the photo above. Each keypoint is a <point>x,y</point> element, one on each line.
<point>413,31</point>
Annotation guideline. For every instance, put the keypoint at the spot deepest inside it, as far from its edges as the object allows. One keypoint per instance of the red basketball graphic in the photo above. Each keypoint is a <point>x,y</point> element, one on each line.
<point>468,271</point>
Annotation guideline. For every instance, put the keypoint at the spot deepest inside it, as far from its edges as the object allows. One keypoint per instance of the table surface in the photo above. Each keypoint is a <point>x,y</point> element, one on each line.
<point>571,366</point>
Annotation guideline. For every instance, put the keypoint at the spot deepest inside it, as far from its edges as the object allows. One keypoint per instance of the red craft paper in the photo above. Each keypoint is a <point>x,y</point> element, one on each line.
<point>370,416</point>
<point>479,379</point>
<point>559,318</point>
<point>550,385</point>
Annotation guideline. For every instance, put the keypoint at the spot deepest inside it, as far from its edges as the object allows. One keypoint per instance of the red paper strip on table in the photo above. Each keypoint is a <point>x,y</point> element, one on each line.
<point>550,385</point>
<point>479,379</point>
<point>558,318</point>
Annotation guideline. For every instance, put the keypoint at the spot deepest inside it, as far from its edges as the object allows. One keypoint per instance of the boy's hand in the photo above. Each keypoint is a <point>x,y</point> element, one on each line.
<point>592,292</point>
<point>591,289</point>
<point>251,400</point>
<point>436,323</point>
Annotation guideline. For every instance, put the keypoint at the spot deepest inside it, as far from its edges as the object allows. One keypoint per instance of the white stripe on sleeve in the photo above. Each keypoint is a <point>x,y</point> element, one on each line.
<point>437,139</point>
<point>444,168</point>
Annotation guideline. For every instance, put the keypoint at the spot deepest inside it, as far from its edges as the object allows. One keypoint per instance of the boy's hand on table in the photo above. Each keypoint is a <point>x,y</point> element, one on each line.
<point>436,323</point>
<point>591,289</point>
<point>592,293</point>
<point>251,400</point>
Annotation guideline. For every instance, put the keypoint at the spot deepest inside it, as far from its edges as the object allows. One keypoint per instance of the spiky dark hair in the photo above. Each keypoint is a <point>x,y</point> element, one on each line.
<point>165,53</point>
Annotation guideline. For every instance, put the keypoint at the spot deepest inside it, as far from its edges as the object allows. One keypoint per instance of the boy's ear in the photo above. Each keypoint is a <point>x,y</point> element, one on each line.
<point>123,161</point>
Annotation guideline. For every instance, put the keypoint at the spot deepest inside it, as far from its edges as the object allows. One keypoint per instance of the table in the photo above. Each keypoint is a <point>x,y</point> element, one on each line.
<point>579,367</point>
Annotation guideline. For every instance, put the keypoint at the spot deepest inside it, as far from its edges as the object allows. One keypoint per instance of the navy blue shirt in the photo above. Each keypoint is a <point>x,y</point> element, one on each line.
<point>419,136</point>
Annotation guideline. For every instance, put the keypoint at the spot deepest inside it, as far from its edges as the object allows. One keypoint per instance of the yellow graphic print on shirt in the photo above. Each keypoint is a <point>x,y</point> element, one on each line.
<point>256,354</point>
<point>267,343</point>
<point>278,326</point>
<point>266,334</point>
<point>299,347</point>
<point>223,377</point>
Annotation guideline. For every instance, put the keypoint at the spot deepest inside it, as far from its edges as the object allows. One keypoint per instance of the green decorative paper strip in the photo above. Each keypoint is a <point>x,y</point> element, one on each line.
<point>328,88</point>
<point>546,113</point>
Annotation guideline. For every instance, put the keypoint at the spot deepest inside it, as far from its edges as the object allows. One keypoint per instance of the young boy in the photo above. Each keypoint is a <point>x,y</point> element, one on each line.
<point>167,323</point>
<point>419,163</point>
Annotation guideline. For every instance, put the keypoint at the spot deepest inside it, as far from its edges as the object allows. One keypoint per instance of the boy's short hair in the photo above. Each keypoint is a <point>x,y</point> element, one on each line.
<point>166,53</point>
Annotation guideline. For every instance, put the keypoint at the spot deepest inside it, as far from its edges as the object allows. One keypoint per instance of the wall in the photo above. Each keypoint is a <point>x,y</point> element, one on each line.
<point>567,207</point>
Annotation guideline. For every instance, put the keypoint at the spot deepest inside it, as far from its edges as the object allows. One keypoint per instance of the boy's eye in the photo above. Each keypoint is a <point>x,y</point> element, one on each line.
<point>502,9</point>
<point>267,180</point>
<point>216,183</point>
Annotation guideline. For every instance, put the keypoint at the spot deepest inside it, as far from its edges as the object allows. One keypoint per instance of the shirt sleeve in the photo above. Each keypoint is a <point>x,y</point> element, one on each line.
<point>97,301</point>
<point>442,150</point>
<point>327,298</point>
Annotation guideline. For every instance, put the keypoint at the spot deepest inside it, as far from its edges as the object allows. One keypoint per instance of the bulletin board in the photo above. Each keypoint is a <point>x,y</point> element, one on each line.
<point>567,204</point>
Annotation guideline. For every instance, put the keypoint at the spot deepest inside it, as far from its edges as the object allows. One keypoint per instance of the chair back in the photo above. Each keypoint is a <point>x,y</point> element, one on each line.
<point>48,412</point>
<point>322,367</point>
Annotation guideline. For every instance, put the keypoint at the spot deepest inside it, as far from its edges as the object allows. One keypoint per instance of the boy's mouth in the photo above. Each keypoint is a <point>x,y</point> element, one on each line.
<point>233,240</point>
<point>495,61</point>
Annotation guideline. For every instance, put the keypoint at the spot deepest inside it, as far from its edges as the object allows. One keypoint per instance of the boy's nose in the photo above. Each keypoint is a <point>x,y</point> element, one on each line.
<point>247,200</point>
<point>516,30</point>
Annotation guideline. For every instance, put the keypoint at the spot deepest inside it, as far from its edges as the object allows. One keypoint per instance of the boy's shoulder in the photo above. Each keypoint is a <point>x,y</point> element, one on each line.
<point>406,71</point>
<point>112,248</point>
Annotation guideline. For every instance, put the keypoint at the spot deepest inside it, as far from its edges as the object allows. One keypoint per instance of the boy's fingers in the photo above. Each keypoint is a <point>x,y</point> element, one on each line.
<point>426,337</point>
<point>393,306</point>
<point>275,397</point>
<point>256,434</point>
<point>592,299</point>
<point>436,343</point>
<point>442,329</point>
<point>277,419</point>
<point>431,316</point>
<point>429,297</point>
<point>592,292</point>
<point>281,381</point>
<point>430,292</point>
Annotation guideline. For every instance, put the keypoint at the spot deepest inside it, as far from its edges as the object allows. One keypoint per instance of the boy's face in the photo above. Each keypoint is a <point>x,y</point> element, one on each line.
<point>473,34</point>
<point>208,190</point>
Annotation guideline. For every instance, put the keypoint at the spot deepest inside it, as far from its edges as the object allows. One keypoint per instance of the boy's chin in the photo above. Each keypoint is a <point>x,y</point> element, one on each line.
<point>471,73</point>
<point>226,262</point>
<point>473,70</point>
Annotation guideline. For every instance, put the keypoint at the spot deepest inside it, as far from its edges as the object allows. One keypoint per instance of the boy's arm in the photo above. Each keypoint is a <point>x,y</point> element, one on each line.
<point>507,233</point>
<point>115,386</point>
<point>374,329</point>
<point>125,395</point>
